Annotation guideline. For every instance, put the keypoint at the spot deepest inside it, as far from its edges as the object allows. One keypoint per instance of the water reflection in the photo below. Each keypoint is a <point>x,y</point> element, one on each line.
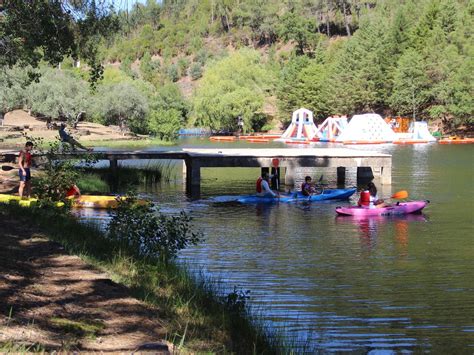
<point>385,284</point>
<point>369,228</point>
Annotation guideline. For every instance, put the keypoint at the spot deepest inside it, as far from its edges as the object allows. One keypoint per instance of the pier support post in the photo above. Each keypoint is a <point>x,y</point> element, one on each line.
<point>275,179</point>
<point>193,178</point>
<point>290,176</point>
<point>113,164</point>
<point>341,175</point>
<point>364,174</point>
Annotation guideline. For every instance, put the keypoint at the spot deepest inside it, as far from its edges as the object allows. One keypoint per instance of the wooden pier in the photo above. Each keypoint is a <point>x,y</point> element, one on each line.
<point>368,164</point>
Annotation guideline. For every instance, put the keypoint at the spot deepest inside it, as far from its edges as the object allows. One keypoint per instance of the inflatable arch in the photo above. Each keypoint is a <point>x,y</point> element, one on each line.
<point>301,128</point>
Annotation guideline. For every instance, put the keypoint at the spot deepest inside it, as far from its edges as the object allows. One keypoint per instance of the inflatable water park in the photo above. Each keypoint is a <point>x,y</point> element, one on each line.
<point>368,128</point>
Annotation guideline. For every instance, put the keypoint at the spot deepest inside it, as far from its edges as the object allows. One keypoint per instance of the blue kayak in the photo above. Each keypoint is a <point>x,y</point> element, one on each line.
<point>329,194</point>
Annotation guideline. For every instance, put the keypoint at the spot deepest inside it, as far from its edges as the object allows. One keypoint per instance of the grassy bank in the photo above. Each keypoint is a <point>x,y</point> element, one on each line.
<point>195,317</point>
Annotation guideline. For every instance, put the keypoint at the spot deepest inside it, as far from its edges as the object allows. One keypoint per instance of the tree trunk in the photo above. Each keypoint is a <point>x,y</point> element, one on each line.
<point>328,29</point>
<point>212,11</point>
<point>344,14</point>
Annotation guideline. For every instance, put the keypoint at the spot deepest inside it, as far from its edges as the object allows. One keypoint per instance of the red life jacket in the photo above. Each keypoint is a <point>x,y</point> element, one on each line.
<point>364,199</point>
<point>259,185</point>
<point>73,191</point>
<point>27,157</point>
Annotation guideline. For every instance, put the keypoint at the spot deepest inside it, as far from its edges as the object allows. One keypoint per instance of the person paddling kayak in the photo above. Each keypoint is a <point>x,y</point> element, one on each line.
<point>307,187</point>
<point>369,198</point>
<point>263,187</point>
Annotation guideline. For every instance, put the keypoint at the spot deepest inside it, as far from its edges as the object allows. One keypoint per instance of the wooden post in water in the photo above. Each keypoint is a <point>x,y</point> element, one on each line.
<point>113,166</point>
<point>341,176</point>
<point>193,178</point>
<point>364,174</point>
<point>275,179</point>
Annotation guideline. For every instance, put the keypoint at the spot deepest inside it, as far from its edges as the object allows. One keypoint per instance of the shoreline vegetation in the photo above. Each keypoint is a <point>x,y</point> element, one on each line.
<point>195,315</point>
<point>136,249</point>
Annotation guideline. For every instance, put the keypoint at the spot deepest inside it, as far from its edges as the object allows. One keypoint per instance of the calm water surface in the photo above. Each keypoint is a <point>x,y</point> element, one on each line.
<point>382,284</point>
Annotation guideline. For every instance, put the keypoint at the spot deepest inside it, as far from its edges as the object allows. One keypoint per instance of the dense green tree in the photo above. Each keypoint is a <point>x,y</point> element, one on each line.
<point>298,29</point>
<point>233,87</point>
<point>122,104</point>
<point>361,75</point>
<point>169,97</point>
<point>313,89</point>
<point>165,124</point>
<point>36,30</point>
<point>410,89</point>
<point>59,94</point>
<point>288,90</point>
<point>149,68</point>
<point>14,82</point>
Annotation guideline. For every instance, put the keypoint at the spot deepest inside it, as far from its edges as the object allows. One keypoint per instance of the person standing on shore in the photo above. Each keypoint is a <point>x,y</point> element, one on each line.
<point>24,162</point>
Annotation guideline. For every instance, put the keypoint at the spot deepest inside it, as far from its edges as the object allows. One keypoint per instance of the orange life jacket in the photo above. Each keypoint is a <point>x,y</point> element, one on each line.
<point>364,199</point>
<point>259,185</point>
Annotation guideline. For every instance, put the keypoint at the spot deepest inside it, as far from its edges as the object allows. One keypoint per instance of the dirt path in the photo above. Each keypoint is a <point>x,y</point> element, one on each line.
<point>54,299</point>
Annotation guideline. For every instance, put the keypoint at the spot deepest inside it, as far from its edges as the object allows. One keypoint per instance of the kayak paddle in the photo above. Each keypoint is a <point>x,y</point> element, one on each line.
<point>7,167</point>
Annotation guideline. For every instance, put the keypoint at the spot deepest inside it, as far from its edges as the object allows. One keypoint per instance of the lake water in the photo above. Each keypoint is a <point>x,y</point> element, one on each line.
<point>402,284</point>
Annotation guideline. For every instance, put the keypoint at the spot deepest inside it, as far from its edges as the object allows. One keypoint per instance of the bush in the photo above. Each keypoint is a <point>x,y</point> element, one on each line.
<point>183,64</point>
<point>58,174</point>
<point>169,97</point>
<point>234,86</point>
<point>150,234</point>
<point>172,72</point>
<point>195,71</point>
<point>122,104</point>
<point>59,94</point>
<point>165,123</point>
<point>14,82</point>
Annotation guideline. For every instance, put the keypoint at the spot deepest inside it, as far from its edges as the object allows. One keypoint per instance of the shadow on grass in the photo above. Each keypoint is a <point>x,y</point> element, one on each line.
<point>194,316</point>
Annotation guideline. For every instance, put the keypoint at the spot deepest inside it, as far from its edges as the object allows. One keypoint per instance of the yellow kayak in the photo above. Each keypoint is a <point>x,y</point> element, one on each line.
<point>84,201</point>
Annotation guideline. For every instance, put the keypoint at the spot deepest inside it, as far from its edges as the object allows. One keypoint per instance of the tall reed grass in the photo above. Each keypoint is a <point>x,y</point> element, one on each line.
<point>126,177</point>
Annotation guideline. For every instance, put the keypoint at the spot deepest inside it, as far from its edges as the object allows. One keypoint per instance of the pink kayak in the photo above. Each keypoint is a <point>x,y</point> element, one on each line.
<point>396,209</point>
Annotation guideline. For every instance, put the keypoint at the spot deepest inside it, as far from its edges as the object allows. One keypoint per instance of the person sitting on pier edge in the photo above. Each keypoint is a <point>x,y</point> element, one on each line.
<point>67,138</point>
<point>307,188</point>
<point>369,198</point>
<point>263,187</point>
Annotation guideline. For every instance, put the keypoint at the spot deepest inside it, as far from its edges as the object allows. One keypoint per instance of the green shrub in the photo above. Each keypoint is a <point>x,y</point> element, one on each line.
<point>232,87</point>
<point>183,64</point>
<point>165,123</point>
<point>150,234</point>
<point>122,104</point>
<point>14,82</point>
<point>172,72</point>
<point>59,94</point>
<point>195,71</point>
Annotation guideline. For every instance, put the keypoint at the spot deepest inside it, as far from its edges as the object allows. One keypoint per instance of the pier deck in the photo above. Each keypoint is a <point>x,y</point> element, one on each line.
<point>378,164</point>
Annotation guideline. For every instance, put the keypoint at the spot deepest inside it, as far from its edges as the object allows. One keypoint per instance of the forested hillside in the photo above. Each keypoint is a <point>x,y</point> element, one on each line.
<point>207,62</point>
